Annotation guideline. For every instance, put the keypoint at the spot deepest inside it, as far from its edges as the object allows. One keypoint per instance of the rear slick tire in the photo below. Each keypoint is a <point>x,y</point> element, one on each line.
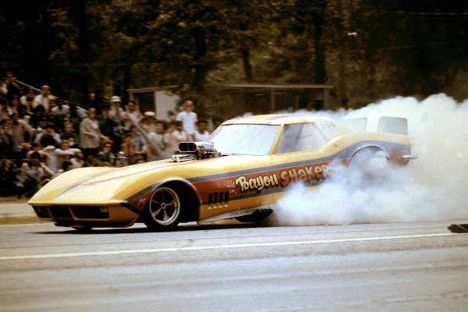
<point>83,228</point>
<point>372,163</point>
<point>256,217</point>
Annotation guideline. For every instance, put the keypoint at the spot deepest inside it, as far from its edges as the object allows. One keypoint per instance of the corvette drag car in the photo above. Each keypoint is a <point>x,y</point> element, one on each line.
<point>240,172</point>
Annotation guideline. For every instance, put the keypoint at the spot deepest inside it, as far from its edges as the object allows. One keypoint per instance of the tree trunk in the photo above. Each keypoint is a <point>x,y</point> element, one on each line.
<point>247,65</point>
<point>79,14</point>
<point>200,65</point>
<point>319,46</point>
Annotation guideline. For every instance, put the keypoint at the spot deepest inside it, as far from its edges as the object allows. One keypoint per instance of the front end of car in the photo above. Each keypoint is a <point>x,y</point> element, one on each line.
<point>113,215</point>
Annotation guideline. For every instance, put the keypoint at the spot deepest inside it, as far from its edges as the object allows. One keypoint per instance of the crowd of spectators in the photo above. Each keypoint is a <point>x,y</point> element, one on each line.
<point>42,136</point>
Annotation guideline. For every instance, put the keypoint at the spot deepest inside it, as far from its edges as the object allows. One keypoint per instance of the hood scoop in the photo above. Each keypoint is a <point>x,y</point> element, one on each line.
<point>195,151</point>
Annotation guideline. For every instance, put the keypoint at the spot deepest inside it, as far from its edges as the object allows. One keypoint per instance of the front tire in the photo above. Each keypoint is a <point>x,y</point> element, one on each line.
<point>164,210</point>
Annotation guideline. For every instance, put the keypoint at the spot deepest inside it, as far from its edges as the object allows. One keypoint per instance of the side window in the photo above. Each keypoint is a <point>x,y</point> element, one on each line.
<point>327,128</point>
<point>300,138</point>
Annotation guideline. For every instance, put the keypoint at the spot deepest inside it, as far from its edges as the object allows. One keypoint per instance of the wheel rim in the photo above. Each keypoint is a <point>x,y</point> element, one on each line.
<point>164,206</point>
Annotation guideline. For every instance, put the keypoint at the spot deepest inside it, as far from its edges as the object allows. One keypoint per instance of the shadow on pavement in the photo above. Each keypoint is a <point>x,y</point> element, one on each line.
<point>181,228</point>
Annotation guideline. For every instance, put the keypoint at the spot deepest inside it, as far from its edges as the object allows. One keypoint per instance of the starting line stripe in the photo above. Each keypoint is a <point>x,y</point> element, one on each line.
<point>197,248</point>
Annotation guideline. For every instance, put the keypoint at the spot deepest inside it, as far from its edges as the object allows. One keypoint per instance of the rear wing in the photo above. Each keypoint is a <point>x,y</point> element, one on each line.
<point>395,125</point>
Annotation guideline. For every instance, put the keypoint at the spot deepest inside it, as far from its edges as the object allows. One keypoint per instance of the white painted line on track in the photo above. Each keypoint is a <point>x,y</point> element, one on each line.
<point>197,248</point>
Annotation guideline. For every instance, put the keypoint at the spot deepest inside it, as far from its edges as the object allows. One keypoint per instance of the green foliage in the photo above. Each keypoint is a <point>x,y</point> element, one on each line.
<point>366,49</point>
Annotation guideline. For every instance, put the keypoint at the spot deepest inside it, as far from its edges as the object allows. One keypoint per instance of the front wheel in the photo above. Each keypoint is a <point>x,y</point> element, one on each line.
<point>164,210</point>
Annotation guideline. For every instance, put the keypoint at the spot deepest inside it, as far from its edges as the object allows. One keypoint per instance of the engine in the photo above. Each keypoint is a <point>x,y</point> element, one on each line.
<point>195,151</point>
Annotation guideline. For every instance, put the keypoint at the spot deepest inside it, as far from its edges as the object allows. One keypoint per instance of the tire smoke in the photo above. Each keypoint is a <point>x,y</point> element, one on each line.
<point>432,187</point>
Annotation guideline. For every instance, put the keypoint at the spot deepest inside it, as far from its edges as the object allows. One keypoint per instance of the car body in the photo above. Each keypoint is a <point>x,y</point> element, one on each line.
<point>255,160</point>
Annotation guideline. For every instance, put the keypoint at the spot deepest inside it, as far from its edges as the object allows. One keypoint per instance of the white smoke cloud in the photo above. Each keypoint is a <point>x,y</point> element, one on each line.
<point>433,187</point>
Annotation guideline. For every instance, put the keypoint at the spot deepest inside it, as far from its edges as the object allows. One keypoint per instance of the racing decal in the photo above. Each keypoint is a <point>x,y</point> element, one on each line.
<point>262,183</point>
<point>304,174</point>
<point>138,203</point>
<point>257,183</point>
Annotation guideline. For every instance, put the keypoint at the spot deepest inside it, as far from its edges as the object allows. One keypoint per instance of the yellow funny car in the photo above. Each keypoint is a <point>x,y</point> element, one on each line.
<point>240,172</point>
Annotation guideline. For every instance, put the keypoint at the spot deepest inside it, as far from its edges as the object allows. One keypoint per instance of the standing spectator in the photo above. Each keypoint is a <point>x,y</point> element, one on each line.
<point>21,130</point>
<point>69,134</point>
<point>188,117</point>
<point>43,99</point>
<point>116,111</point>
<point>175,135</point>
<point>75,117</point>
<point>110,127</point>
<point>60,113</point>
<point>94,103</point>
<point>156,147</point>
<point>90,134</point>
<point>132,114</point>
<point>201,134</point>
<point>12,85</point>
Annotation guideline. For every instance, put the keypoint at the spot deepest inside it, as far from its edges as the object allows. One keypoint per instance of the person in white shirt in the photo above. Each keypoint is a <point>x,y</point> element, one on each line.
<point>44,98</point>
<point>132,112</point>
<point>188,118</point>
<point>63,153</point>
<point>201,134</point>
<point>78,160</point>
<point>116,111</point>
<point>156,147</point>
<point>61,109</point>
<point>174,136</point>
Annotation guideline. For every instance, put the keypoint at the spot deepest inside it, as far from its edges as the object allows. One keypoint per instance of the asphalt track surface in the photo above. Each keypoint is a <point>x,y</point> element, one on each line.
<point>231,267</point>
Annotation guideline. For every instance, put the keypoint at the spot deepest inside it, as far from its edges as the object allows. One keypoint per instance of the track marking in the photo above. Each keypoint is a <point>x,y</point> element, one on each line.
<point>196,248</point>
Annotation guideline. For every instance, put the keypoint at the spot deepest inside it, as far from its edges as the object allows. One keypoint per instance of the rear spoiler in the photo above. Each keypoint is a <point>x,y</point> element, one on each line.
<point>395,125</point>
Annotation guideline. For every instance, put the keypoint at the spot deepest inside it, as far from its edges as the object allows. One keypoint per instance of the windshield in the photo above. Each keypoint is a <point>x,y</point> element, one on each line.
<point>244,139</point>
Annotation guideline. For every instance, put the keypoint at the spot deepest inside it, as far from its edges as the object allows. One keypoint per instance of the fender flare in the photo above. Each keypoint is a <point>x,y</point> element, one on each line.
<point>370,146</point>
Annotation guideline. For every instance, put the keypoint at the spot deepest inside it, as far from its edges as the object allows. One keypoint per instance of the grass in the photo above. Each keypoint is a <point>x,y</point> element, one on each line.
<point>13,199</point>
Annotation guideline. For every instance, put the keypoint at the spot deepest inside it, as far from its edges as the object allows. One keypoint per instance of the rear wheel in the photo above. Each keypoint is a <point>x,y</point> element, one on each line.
<point>370,162</point>
<point>83,228</point>
<point>257,216</point>
<point>164,209</point>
